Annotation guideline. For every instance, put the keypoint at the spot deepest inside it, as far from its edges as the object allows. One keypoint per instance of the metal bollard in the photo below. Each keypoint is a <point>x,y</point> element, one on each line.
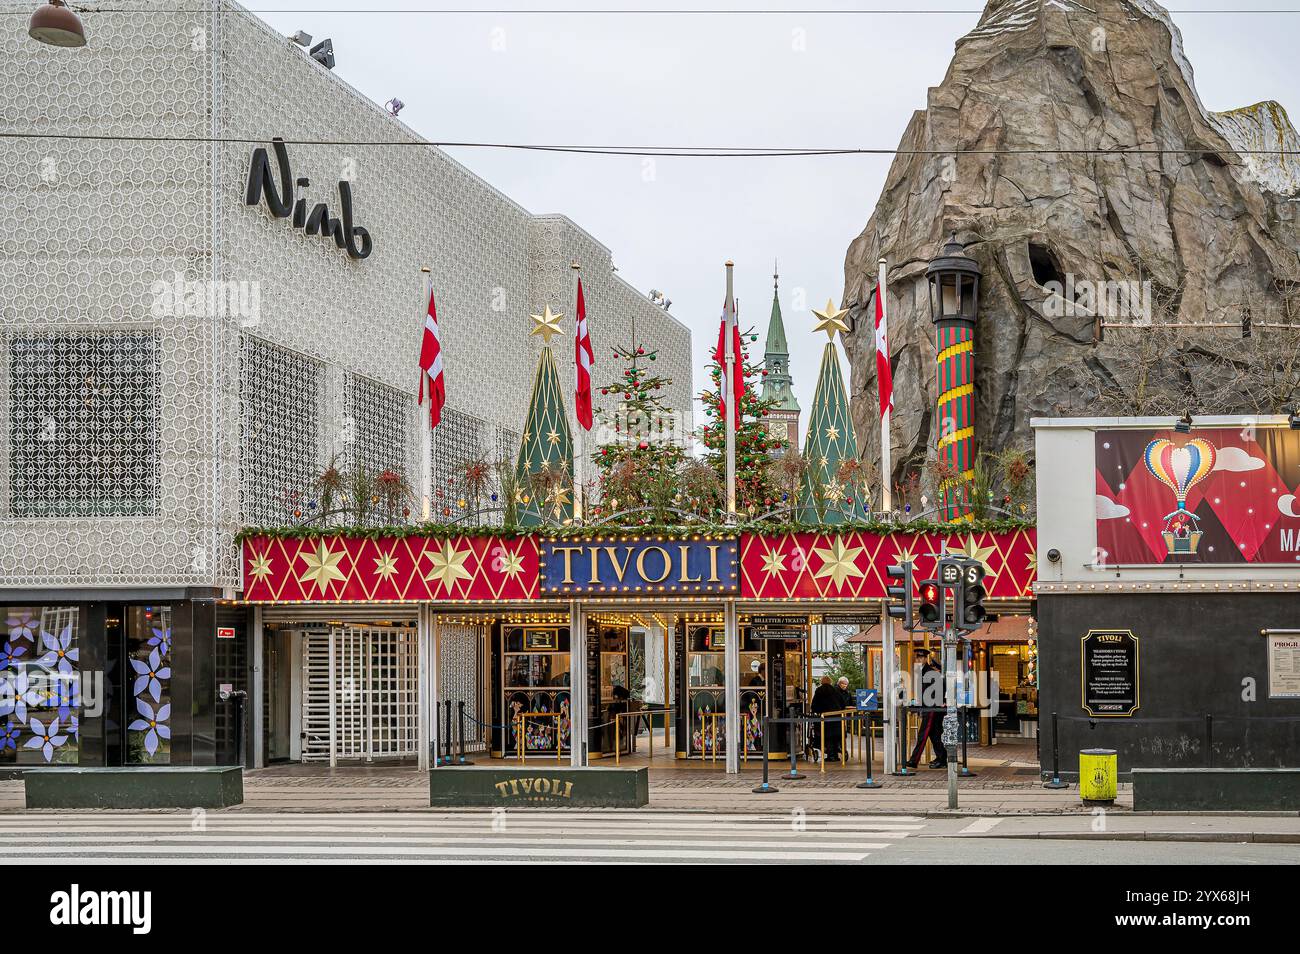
<point>870,781</point>
<point>460,734</point>
<point>965,767</point>
<point>765,787</point>
<point>794,772</point>
<point>1056,759</point>
<point>1209,740</point>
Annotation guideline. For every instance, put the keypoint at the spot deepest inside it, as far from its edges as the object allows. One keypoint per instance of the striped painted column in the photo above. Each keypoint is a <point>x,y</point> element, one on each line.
<point>956,410</point>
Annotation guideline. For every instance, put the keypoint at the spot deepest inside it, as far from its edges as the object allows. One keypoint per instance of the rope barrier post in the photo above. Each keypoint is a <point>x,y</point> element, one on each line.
<point>765,787</point>
<point>559,749</point>
<point>446,708</point>
<point>961,721</point>
<point>794,772</point>
<point>1056,759</point>
<point>618,749</point>
<point>460,734</point>
<point>871,757</point>
<point>519,737</point>
<point>900,759</point>
<point>1209,740</point>
<point>822,739</point>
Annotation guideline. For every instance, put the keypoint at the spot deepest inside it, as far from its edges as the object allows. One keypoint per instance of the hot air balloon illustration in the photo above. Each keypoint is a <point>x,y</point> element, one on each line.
<point>1180,468</point>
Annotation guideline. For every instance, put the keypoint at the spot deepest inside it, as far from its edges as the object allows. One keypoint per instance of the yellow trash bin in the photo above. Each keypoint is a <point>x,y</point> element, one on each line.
<point>1097,775</point>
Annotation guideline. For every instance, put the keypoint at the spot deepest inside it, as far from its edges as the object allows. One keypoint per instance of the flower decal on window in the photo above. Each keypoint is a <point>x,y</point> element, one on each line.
<point>9,654</point>
<point>9,736</point>
<point>60,653</point>
<point>22,625</point>
<point>47,739</point>
<point>161,640</point>
<point>147,675</point>
<point>17,693</point>
<point>152,724</point>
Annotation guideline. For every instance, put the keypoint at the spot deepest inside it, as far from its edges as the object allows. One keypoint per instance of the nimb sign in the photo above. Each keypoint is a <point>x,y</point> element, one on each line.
<point>638,566</point>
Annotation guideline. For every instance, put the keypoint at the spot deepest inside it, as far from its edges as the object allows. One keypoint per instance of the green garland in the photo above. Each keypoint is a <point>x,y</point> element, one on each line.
<point>667,532</point>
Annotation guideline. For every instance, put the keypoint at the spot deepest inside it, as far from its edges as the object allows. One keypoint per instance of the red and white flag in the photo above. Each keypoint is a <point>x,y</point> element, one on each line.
<point>884,376</point>
<point>431,366</point>
<point>584,358</point>
<point>720,356</point>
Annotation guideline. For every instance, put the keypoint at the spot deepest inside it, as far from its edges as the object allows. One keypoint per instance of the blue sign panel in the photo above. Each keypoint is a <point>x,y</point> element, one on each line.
<point>868,699</point>
<point>639,566</point>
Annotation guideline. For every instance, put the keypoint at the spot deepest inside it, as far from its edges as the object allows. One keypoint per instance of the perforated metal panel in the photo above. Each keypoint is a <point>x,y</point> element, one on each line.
<point>461,677</point>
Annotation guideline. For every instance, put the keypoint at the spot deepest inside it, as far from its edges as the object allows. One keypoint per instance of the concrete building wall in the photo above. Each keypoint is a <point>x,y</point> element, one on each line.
<point>314,355</point>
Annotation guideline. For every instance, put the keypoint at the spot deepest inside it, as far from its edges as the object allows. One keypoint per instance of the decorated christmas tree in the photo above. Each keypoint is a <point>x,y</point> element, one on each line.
<point>756,490</point>
<point>544,474</point>
<point>640,467</point>
<point>834,481</point>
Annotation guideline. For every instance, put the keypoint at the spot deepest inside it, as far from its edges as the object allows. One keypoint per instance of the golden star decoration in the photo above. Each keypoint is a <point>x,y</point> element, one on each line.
<point>553,436</point>
<point>546,324</point>
<point>832,320</point>
<point>322,567</point>
<point>260,567</point>
<point>447,566</point>
<point>969,549</point>
<point>773,562</point>
<point>511,564</point>
<point>385,566</point>
<point>834,491</point>
<point>832,433</point>
<point>837,562</point>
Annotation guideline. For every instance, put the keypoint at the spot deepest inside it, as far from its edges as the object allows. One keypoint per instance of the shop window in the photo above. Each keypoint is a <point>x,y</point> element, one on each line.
<point>148,696</point>
<point>83,425</point>
<point>40,699</point>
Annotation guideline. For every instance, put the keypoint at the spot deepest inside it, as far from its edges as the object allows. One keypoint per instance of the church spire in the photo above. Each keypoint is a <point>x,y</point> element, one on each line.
<point>776,361</point>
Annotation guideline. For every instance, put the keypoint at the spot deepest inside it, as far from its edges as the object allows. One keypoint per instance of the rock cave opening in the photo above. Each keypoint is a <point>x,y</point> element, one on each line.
<point>1044,265</point>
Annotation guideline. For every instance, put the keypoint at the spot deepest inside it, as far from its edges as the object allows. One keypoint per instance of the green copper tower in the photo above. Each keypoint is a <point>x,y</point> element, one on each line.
<point>783,418</point>
<point>547,446</point>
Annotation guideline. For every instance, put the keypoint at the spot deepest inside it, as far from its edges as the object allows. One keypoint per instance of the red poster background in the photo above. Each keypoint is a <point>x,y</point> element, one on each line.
<point>1246,507</point>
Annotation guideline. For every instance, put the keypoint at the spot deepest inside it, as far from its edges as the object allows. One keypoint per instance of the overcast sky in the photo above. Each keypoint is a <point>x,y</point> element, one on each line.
<point>790,79</point>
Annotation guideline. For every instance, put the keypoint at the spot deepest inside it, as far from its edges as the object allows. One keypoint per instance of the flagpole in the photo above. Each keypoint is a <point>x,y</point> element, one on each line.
<point>578,429</point>
<point>886,464</point>
<point>426,432</point>
<point>888,660</point>
<point>729,392</point>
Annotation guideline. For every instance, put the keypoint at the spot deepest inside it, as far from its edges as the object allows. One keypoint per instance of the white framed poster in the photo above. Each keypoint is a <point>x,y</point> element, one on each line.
<point>1283,663</point>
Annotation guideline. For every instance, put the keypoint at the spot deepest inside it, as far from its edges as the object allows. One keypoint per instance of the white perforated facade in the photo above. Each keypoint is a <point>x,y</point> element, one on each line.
<point>144,418</point>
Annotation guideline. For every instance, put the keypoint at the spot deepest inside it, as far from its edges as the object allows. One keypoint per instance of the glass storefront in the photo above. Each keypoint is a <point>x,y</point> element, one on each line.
<point>40,686</point>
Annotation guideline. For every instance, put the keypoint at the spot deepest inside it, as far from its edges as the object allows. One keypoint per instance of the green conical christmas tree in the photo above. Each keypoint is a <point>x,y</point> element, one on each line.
<point>833,482</point>
<point>544,474</point>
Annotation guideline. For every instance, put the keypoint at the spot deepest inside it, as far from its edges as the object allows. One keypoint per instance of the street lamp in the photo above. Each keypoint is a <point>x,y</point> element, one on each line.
<point>56,25</point>
<point>954,279</point>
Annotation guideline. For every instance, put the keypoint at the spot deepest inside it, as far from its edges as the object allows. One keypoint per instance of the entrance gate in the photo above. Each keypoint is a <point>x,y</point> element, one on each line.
<point>360,698</point>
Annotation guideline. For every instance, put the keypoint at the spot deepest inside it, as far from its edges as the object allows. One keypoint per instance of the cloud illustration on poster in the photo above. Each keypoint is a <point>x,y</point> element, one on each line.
<point>1107,509</point>
<point>1286,504</point>
<point>1236,460</point>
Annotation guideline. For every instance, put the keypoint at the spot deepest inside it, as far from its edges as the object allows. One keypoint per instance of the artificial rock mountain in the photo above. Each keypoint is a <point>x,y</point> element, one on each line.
<point>1213,231</point>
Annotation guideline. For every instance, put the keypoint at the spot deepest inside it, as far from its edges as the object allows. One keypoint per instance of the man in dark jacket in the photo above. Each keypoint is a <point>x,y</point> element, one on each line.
<point>932,697</point>
<point>827,699</point>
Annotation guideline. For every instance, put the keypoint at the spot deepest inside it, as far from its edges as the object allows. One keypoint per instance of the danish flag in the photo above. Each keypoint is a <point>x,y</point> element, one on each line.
<point>884,376</point>
<point>584,357</point>
<point>431,366</point>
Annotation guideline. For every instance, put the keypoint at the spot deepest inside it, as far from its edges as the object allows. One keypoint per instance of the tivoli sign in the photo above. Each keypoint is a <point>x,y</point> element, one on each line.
<point>280,202</point>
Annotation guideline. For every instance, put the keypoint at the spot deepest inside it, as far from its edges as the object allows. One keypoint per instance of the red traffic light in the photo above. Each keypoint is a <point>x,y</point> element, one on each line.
<point>930,593</point>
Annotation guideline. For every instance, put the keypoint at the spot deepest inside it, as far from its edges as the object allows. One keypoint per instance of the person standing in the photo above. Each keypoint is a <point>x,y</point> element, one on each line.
<point>933,699</point>
<point>827,699</point>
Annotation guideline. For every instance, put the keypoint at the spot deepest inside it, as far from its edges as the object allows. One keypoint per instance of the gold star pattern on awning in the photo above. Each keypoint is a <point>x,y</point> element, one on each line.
<point>322,567</point>
<point>837,562</point>
<point>447,566</point>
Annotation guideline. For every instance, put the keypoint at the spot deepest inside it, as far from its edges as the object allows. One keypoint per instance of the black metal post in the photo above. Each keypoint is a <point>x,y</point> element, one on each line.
<point>239,729</point>
<point>871,757</point>
<point>460,734</point>
<point>900,762</point>
<point>765,788</point>
<point>1209,740</point>
<point>1056,759</point>
<point>965,737</point>
<point>794,772</point>
<point>445,758</point>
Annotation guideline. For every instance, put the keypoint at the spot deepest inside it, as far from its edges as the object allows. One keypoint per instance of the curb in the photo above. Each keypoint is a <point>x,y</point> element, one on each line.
<point>1217,837</point>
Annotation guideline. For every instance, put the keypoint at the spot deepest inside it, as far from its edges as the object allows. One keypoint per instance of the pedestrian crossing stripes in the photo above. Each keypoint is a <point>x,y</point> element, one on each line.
<point>466,837</point>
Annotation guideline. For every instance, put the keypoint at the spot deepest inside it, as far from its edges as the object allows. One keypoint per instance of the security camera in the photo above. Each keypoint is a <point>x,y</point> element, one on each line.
<point>302,38</point>
<point>323,53</point>
<point>1053,555</point>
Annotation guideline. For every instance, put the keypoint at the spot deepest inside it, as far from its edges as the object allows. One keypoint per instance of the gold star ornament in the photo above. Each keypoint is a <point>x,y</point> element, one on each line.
<point>322,567</point>
<point>831,320</point>
<point>447,566</point>
<point>838,562</point>
<point>546,324</point>
<point>259,567</point>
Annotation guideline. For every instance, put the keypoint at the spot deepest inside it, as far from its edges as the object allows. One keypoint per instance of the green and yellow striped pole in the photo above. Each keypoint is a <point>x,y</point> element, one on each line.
<point>954,279</point>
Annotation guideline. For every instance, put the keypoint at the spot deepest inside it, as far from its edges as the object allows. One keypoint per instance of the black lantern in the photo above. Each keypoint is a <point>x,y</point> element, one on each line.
<point>954,285</point>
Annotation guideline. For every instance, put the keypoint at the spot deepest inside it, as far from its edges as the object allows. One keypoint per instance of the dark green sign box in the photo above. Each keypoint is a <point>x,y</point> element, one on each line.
<point>1216,789</point>
<point>536,787</point>
<point>140,786</point>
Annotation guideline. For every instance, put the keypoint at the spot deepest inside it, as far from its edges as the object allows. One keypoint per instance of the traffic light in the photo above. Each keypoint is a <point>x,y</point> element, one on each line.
<point>902,590</point>
<point>970,612</point>
<point>931,605</point>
